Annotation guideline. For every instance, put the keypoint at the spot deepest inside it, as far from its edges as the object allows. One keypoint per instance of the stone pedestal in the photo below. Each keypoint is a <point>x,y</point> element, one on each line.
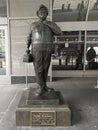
<point>47,110</point>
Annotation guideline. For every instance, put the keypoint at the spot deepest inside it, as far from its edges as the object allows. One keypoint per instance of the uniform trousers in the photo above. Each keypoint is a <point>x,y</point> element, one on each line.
<point>42,59</point>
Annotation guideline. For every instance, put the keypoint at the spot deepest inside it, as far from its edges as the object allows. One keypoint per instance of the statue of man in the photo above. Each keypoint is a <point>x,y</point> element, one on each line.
<point>41,41</point>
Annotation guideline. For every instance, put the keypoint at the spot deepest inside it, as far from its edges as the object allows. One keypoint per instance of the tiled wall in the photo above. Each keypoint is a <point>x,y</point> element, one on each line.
<point>26,8</point>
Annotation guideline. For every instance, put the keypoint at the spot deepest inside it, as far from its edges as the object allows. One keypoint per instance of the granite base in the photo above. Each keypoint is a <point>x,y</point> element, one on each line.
<point>33,111</point>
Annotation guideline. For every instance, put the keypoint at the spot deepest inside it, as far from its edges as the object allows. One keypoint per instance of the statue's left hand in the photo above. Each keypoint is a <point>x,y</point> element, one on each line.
<point>28,51</point>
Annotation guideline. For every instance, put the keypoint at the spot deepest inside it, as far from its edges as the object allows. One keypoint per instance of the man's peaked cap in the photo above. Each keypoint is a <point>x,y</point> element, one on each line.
<point>40,7</point>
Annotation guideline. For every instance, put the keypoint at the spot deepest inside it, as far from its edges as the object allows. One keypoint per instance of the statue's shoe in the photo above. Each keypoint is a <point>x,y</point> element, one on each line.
<point>48,89</point>
<point>40,92</point>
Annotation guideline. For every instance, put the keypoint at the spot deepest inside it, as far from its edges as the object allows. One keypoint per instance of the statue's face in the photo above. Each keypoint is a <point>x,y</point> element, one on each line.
<point>42,13</point>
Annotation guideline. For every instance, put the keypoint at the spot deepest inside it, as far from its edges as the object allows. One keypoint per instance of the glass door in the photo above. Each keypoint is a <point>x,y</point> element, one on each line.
<point>3,50</point>
<point>92,50</point>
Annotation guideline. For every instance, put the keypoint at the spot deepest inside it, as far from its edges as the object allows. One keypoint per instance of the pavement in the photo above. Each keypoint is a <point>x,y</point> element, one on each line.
<point>80,94</point>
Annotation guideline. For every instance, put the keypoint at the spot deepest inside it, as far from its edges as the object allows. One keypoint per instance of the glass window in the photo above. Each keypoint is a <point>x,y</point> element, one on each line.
<point>3,8</point>
<point>92,50</point>
<point>2,52</point>
<point>69,51</point>
<point>69,10</point>
<point>93,10</point>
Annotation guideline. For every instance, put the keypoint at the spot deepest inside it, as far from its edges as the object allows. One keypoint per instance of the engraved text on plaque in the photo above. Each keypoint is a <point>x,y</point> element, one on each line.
<point>43,118</point>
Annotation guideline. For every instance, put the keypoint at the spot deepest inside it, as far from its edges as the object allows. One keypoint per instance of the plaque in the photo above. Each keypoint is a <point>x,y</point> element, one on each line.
<point>43,118</point>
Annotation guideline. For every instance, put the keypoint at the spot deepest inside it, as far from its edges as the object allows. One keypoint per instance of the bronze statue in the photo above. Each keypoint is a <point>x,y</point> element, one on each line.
<point>41,41</point>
